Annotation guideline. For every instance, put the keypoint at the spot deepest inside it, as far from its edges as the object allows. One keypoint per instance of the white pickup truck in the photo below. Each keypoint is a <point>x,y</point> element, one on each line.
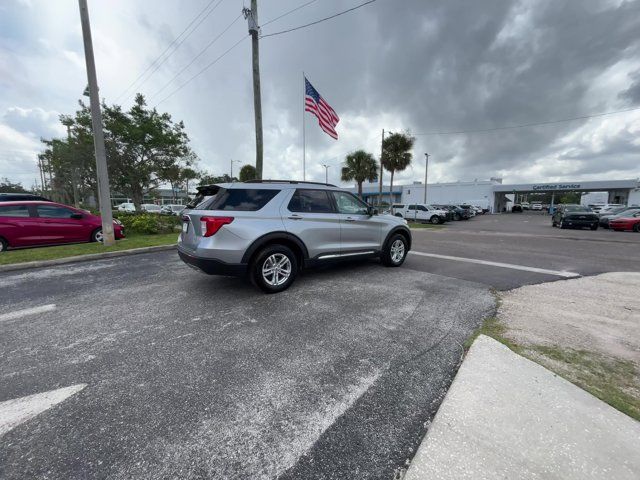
<point>420,212</point>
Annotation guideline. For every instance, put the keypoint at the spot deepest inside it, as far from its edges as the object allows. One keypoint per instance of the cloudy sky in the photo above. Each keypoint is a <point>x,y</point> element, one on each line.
<point>425,66</point>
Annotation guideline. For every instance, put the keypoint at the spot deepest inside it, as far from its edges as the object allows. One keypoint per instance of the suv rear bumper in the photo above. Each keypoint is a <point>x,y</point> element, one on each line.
<point>211,266</point>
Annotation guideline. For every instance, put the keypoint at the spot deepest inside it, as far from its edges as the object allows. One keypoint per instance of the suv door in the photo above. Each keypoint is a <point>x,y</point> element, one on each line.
<point>416,212</point>
<point>18,225</point>
<point>359,231</point>
<point>310,215</point>
<point>56,225</point>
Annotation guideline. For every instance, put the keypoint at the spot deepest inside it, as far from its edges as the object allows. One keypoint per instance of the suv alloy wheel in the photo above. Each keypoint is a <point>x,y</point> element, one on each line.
<point>274,269</point>
<point>395,252</point>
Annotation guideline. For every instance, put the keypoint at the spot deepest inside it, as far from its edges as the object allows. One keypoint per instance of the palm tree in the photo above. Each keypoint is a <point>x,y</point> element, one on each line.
<point>396,155</point>
<point>359,166</point>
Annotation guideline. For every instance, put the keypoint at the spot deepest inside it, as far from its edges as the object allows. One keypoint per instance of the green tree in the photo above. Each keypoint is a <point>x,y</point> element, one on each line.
<point>248,172</point>
<point>142,144</point>
<point>69,161</point>
<point>209,179</point>
<point>144,149</point>
<point>359,166</point>
<point>7,186</point>
<point>571,197</point>
<point>173,172</point>
<point>189,174</point>
<point>396,154</point>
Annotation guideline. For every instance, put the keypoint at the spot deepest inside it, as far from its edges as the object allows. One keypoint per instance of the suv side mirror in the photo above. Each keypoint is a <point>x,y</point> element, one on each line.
<point>372,211</point>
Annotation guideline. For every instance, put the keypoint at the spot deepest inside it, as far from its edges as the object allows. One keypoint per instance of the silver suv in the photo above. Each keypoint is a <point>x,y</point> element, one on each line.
<point>271,229</point>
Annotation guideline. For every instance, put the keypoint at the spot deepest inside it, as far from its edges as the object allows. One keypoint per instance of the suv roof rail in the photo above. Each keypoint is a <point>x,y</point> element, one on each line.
<point>289,181</point>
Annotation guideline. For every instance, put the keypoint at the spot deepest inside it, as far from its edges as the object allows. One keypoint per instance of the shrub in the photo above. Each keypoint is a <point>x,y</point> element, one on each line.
<point>148,223</point>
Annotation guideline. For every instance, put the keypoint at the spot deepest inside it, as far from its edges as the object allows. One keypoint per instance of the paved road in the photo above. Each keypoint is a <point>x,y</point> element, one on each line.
<point>173,374</point>
<point>190,376</point>
<point>523,240</point>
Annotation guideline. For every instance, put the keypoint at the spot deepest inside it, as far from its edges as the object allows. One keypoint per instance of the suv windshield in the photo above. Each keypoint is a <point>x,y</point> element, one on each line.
<point>241,199</point>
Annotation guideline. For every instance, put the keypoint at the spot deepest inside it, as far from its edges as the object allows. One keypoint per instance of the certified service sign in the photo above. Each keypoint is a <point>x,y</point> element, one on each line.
<point>557,186</point>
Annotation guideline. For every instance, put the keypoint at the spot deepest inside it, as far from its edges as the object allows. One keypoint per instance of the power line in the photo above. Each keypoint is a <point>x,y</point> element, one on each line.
<point>197,56</point>
<point>289,12</point>
<point>318,21</point>
<point>202,70</point>
<point>177,42</point>
<point>523,125</point>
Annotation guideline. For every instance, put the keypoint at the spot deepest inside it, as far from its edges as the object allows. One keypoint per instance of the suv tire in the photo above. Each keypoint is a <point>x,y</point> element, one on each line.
<point>96,235</point>
<point>435,220</point>
<point>274,269</point>
<point>3,245</point>
<point>395,252</point>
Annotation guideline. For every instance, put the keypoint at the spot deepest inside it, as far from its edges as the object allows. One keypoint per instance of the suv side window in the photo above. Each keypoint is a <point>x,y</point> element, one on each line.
<point>14,211</point>
<point>423,208</point>
<point>241,199</point>
<point>47,211</point>
<point>349,204</point>
<point>411,207</point>
<point>310,201</point>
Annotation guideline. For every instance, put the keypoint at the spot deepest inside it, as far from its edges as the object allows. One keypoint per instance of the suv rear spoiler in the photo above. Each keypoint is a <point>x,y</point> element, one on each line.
<point>203,191</point>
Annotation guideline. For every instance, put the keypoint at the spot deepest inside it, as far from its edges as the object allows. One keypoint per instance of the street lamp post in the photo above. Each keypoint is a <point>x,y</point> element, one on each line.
<point>326,172</point>
<point>426,170</point>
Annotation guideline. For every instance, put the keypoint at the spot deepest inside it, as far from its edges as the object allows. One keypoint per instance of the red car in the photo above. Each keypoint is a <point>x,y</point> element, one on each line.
<point>632,222</point>
<point>29,224</point>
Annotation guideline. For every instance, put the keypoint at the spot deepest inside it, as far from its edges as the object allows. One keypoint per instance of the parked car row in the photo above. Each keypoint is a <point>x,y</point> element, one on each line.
<point>152,208</point>
<point>434,214</point>
<point>618,218</point>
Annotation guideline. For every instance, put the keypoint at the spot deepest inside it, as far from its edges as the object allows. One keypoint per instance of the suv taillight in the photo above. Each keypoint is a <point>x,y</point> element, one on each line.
<point>210,225</point>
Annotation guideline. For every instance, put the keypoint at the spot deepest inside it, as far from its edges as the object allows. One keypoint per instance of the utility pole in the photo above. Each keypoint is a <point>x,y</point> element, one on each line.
<point>232,162</point>
<point>426,170</point>
<point>381,170</point>
<point>104,195</point>
<point>326,172</point>
<point>254,30</point>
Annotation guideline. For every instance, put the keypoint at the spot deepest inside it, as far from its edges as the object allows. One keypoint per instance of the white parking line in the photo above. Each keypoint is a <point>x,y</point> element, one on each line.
<point>19,410</point>
<point>499,264</point>
<point>27,311</point>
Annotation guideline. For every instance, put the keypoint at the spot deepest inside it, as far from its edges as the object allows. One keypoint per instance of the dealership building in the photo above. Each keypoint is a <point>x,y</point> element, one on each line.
<point>495,195</point>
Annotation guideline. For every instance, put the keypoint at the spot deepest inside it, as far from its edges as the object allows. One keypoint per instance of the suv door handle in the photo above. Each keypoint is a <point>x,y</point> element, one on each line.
<point>350,219</point>
<point>295,217</point>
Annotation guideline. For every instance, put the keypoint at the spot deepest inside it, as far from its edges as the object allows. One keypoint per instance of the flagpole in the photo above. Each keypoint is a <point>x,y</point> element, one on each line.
<point>304,140</point>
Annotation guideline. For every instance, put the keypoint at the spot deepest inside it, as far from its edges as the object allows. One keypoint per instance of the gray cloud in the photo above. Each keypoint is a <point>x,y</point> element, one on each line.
<point>632,94</point>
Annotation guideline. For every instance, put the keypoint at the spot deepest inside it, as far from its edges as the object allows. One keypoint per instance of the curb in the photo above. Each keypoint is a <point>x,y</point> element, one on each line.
<point>83,258</point>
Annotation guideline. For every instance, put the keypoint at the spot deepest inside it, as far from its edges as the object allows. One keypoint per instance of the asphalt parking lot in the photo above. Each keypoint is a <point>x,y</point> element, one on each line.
<point>181,375</point>
<point>527,241</point>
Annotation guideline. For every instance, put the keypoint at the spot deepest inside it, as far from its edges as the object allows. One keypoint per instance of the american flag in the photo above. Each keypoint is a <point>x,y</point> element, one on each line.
<point>314,103</point>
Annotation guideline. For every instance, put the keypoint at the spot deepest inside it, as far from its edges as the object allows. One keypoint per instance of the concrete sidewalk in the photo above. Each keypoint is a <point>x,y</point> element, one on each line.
<point>507,417</point>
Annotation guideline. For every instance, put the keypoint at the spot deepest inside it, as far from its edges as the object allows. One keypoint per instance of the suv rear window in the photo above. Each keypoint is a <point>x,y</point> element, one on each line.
<point>241,199</point>
<point>310,201</point>
<point>14,211</point>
